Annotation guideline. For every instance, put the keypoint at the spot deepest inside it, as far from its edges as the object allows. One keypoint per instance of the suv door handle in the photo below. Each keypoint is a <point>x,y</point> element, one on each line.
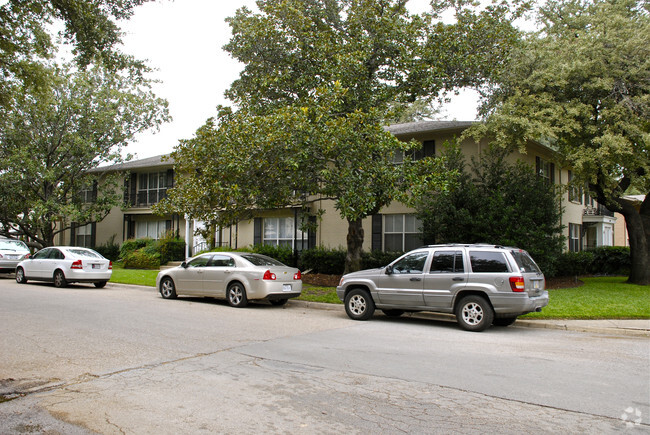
<point>415,279</point>
<point>458,279</point>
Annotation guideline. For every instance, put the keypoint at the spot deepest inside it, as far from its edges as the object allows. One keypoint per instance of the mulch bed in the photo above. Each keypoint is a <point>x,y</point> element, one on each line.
<point>322,280</point>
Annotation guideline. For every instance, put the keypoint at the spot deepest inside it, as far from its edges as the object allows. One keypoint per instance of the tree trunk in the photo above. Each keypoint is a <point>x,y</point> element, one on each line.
<point>355,244</point>
<point>638,228</point>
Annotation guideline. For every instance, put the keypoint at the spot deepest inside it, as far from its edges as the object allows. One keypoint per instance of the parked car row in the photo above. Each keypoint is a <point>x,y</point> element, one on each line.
<point>480,284</point>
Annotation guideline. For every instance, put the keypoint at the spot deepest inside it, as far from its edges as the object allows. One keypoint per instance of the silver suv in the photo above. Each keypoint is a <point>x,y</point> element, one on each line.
<point>481,284</point>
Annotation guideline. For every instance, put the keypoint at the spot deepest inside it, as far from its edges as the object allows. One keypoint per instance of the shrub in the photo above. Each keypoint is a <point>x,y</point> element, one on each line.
<point>141,259</point>
<point>132,245</point>
<point>283,254</point>
<point>611,260</point>
<point>321,260</point>
<point>574,263</point>
<point>375,259</point>
<point>110,249</point>
<point>170,248</point>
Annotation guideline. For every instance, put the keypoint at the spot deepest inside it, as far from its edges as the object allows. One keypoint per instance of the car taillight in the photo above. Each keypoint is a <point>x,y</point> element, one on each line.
<point>297,275</point>
<point>77,265</point>
<point>110,265</point>
<point>517,283</point>
<point>269,276</point>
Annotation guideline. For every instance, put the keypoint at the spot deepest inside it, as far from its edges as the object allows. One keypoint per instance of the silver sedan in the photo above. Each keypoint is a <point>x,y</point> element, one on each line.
<point>235,276</point>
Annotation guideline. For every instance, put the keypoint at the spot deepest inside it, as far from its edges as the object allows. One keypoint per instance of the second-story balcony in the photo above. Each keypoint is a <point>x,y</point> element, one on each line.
<point>597,210</point>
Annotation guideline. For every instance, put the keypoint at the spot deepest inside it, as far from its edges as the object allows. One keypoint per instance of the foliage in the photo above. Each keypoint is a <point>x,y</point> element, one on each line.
<point>142,259</point>
<point>322,260</point>
<point>320,79</point>
<point>54,138</point>
<point>284,254</point>
<point>132,245</point>
<point>26,41</point>
<point>605,260</point>
<point>110,249</point>
<point>170,248</point>
<point>598,298</point>
<point>581,84</point>
<point>376,259</point>
<point>494,202</point>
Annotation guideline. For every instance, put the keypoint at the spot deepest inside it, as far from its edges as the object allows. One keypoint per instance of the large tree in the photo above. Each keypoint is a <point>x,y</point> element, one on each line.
<point>581,84</point>
<point>485,204</point>
<point>320,79</point>
<point>53,137</point>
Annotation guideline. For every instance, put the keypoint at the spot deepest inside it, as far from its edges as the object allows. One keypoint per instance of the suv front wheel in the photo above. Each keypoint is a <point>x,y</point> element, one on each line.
<point>359,304</point>
<point>474,313</point>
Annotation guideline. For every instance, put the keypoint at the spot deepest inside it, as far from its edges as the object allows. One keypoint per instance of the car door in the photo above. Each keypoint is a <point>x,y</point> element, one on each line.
<point>189,280</point>
<point>216,274</point>
<point>52,262</point>
<point>401,284</point>
<point>34,266</point>
<point>447,276</point>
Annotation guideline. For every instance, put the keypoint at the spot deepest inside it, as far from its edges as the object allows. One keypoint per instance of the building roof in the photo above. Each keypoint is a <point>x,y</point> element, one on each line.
<point>149,162</point>
<point>428,127</point>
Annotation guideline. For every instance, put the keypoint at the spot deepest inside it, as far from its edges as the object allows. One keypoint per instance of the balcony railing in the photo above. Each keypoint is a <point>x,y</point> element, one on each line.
<point>598,210</point>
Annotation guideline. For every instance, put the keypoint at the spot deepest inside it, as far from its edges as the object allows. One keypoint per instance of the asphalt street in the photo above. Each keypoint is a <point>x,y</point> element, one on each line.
<point>123,360</point>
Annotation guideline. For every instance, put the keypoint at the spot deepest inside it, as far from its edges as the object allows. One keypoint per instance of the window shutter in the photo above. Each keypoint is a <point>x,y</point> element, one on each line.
<point>429,148</point>
<point>133,188</point>
<point>170,178</point>
<point>94,194</point>
<point>311,234</point>
<point>73,233</point>
<point>377,227</point>
<point>257,231</point>
<point>538,165</point>
<point>552,173</point>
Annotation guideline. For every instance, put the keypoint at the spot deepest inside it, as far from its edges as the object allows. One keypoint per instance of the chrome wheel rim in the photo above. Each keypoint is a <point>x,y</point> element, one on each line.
<point>357,305</point>
<point>167,288</point>
<point>472,313</point>
<point>19,275</point>
<point>236,295</point>
<point>58,279</point>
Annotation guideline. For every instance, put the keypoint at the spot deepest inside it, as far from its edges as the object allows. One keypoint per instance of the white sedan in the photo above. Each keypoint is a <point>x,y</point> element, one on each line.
<point>65,264</point>
<point>235,276</point>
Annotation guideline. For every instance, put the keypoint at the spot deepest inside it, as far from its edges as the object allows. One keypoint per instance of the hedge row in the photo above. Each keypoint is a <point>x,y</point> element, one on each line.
<point>147,253</point>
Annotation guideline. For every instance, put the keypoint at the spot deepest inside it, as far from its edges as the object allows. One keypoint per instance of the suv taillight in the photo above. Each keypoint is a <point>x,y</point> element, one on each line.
<point>297,276</point>
<point>269,276</point>
<point>517,283</point>
<point>77,265</point>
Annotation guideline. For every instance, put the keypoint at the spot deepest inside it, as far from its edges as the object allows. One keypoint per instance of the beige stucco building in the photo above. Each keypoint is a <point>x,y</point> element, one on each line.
<point>586,223</point>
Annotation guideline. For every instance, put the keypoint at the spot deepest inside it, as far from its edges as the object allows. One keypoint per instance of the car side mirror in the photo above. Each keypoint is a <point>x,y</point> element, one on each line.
<point>184,265</point>
<point>389,270</point>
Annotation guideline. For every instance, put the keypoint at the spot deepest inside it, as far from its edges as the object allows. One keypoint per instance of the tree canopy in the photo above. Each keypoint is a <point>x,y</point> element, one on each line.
<point>320,80</point>
<point>581,84</point>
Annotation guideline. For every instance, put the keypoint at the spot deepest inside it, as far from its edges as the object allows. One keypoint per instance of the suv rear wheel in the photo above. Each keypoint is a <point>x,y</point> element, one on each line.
<point>474,313</point>
<point>359,304</point>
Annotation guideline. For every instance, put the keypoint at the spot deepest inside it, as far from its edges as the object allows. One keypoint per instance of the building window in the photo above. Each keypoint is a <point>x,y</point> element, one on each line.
<point>545,170</point>
<point>402,232</point>
<point>83,236</point>
<point>428,149</point>
<point>575,237</point>
<point>152,187</point>
<point>282,232</point>
<point>88,194</point>
<point>575,192</point>
<point>151,229</point>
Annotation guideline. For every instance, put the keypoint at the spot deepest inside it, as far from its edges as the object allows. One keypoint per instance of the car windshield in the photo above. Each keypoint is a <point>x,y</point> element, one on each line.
<point>84,253</point>
<point>524,262</point>
<point>13,245</point>
<point>261,260</point>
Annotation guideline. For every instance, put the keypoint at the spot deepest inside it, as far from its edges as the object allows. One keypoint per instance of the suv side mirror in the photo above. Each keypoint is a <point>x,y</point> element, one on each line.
<point>389,269</point>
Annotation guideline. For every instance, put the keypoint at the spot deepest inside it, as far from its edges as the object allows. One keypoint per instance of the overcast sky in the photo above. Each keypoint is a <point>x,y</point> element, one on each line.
<point>182,40</point>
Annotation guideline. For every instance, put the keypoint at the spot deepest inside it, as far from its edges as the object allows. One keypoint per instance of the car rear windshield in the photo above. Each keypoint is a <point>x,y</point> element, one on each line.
<point>261,260</point>
<point>524,262</point>
<point>85,253</point>
<point>12,245</point>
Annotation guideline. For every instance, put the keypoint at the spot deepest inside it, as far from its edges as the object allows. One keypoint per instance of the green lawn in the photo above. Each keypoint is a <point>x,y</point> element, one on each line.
<point>598,298</point>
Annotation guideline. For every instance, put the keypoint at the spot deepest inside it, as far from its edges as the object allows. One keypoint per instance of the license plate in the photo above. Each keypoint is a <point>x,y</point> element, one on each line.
<point>12,257</point>
<point>97,266</point>
<point>286,287</point>
<point>535,284</point>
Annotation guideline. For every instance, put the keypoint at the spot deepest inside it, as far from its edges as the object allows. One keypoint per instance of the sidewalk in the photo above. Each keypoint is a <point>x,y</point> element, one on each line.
<point>629,327</point>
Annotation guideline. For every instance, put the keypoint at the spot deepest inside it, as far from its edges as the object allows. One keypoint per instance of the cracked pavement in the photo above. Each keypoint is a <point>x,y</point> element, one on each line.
<point>123,361</point>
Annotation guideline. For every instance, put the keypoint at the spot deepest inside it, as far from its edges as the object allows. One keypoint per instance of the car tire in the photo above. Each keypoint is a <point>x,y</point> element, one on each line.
<point>279,302</point>
<point>20,276</point>
<point>504,321</point>
<point>236,295</point>
<point>359,304</point>
<point>393,313</point>
<point>100,284</point>
<point>59,279</point>
<point>474,313</point>
<point>167,288</point>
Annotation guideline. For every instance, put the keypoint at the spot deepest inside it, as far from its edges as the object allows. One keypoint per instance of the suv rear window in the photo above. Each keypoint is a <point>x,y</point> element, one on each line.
<point>524,262</point>
<point>488,262</point>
